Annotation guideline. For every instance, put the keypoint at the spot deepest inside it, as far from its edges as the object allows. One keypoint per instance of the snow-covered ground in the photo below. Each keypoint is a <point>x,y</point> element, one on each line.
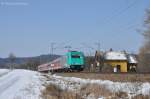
<point>74,84</point>
<point>3,72</point>
<point>20,84</point>
<point>24,84</point>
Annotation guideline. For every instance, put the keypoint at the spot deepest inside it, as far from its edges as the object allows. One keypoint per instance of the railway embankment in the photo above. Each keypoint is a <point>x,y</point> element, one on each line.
<point>81,88</point>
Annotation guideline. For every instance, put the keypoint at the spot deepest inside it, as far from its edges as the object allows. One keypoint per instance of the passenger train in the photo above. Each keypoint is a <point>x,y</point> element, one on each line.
<point>71,61</point>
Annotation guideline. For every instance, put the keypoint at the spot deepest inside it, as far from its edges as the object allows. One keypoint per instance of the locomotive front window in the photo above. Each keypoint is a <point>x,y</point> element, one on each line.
<point>75,56</point>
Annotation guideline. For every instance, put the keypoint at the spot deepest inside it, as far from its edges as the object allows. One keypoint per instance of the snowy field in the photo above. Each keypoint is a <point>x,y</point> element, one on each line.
<point>3,72</point>
<point>24,84</point>
<point>74,84</point>
<point>20,84</point>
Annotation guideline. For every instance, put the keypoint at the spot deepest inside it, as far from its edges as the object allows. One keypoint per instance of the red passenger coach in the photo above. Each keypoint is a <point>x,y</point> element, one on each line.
<point>56,64</point>
<point>44,67</point>
<point>51,66</point>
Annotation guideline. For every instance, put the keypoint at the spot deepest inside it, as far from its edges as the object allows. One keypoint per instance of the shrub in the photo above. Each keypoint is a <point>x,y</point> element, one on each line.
<point>107,68</point>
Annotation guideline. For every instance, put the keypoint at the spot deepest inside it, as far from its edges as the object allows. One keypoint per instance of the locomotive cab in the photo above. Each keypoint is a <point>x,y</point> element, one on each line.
<point>75,60</point>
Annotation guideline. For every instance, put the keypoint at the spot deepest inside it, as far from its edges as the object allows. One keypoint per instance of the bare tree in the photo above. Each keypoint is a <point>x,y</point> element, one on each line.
<point>99,60</point>
<point>32,64</point>
<point>89,60</point>
<point>144,55</point>
<point>12,58</point>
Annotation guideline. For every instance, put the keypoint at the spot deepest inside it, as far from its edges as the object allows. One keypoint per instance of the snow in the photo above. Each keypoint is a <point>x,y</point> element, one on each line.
<point>132,59</point>
<point>74,84</point>
<point>112,55</point>
<point>3,72</point>
<point>25,84</point>
<point>145,89</point>
<point>101,98</point>
<point>20,84</point>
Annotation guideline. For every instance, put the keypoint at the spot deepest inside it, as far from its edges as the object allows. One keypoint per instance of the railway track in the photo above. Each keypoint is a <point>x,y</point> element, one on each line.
<point>100,73</point>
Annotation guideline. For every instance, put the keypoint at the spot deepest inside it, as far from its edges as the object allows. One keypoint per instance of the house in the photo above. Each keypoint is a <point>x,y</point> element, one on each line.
<point>121,61</point>
<point>117,59</point>
<point>132,63</point>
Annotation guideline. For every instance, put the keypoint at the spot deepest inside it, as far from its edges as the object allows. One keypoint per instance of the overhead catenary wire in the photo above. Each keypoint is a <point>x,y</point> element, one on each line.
<point>110,20</point>
<point>114,16</point>
<point>120,12</point>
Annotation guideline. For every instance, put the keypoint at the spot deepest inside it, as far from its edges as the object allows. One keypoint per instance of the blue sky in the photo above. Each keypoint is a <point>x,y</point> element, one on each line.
<point>27,27</point>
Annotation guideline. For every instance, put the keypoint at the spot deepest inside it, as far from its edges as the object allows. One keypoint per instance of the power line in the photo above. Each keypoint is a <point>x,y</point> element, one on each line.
<point>88,46</point>
<point>120,13</point>
<point>98,46</point>
<point>68,47</point>
<point>109,19</point>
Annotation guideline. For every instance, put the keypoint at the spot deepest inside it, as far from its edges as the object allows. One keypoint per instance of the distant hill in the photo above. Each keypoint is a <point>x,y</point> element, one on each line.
<point>5,62</point>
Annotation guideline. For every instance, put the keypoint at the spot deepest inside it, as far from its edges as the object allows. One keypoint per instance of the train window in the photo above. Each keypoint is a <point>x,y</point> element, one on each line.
<point>52,65</point>
<point>75,56</point>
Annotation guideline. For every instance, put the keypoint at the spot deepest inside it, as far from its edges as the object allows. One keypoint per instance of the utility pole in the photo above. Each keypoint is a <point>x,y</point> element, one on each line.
<point>51,53</point>
<point>98,46</point>
<point>52,48</point>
